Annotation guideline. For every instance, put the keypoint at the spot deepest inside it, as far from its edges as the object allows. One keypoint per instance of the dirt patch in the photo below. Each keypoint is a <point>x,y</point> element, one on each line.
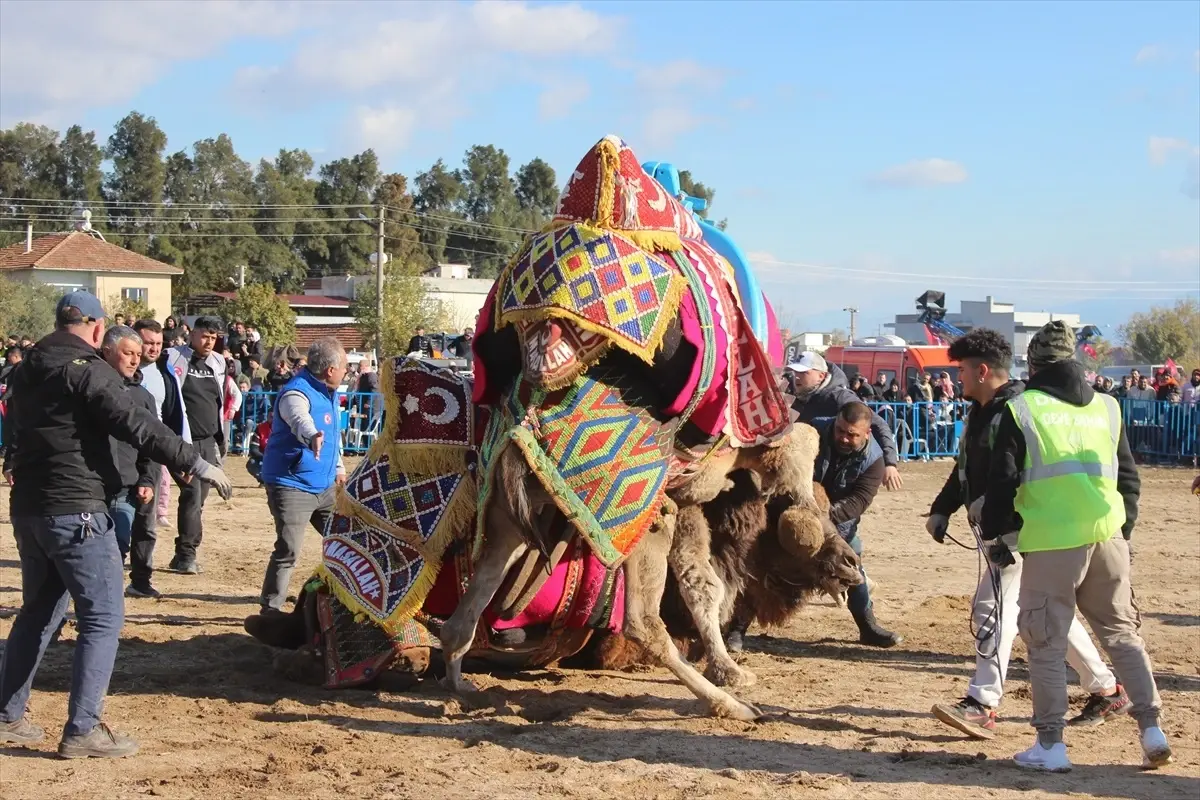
<point>843,721</point>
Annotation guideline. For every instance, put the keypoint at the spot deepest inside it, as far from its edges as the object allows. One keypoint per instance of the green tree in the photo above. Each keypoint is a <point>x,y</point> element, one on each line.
<point>348,185</point>
<point>257,304</point>
<point>27,308</point>
<point>401,240</point>
<point>83,179</point>
<point>209,244</point>
<point>537,192</point>
<point>839,336</point>
<point>489,200</point>
<point>287,237</point>
<point>406,306</point>
<point>1165,332</point>
<point>133,191</point>
<point>31,167</point>
<point>435,201</point>
<point>694,188</point>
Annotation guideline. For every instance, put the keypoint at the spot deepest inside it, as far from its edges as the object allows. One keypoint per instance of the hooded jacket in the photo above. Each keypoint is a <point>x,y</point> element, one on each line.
<point>828,398</point>
<point>133,468</point>
<point>1065,381</point>
<point>66,401</point>
<point>978,439</point>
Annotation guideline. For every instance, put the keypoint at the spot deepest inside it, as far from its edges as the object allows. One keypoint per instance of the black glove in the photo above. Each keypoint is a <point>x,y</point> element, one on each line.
<point>999,554</point>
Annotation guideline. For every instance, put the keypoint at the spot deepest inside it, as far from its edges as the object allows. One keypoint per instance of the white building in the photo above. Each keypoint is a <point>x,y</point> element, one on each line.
<point>460,297</point>
<point>1017,326</point>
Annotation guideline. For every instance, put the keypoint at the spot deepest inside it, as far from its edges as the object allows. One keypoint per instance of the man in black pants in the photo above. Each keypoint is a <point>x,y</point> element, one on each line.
<point>200,371</point>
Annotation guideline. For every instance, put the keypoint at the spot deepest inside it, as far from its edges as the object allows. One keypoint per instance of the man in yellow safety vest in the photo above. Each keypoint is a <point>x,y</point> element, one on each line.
<point>1063,490</point>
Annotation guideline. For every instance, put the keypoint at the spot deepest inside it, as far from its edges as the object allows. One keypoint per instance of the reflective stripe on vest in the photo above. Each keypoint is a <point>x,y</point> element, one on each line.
<point>1068,495</point>
<point>1039,470</point>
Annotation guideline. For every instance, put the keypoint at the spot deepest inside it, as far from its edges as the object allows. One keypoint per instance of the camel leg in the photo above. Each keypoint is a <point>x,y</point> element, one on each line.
<point>703,593</point>
<point>645,580</point>
<point>501,550</point>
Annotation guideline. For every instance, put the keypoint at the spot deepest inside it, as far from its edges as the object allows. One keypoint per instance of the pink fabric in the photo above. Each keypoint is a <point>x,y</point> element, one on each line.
<point>689,319</point>
<point>540,610</point>
<point>774,338</point>
<point>164,493</point>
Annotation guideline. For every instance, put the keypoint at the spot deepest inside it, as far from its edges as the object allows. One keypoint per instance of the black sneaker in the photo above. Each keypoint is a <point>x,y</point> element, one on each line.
<point>21,732</point>
<point>1099,708</point>
<point>969,716</point>
<point>99,742</point>
<point>145,591</point>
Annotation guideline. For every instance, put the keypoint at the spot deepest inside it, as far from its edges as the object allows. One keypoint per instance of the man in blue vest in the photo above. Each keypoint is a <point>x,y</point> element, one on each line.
<point>302,464</point>
<point>1063,478</point>
<point>850,467</point>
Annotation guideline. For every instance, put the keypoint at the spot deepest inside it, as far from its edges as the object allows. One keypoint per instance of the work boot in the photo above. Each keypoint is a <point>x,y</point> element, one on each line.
<point>99,742</point>
<point>20,732</point>
<point>969,716</point>
<point>1100,707</point>
<point>870,633</point>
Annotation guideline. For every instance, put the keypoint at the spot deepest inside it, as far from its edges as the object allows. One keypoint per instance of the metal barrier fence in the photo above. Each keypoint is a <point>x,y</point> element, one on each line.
<point>1159,432</point>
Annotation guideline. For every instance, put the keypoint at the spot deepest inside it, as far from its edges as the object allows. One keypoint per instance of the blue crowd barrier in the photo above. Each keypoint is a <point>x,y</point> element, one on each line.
<point>360,418</point>
<point>1158,432</point>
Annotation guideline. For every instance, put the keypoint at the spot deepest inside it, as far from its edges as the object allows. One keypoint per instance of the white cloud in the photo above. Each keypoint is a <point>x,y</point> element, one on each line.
<point>1162,148</point>
<point>1165,149</point>
<point>921,172</point>
<point>559,97</point>
<point>680,76</point>
<point>387,129</point>
<point>1150,53</point>
<point>663,126</point>
<point>58,58</point>
<point>1180,255</point>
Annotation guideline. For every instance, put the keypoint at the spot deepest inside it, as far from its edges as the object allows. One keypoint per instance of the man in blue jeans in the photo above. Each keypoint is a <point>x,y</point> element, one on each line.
<point>65,403</point>
<point>122,349</point>
<point>302,464</point>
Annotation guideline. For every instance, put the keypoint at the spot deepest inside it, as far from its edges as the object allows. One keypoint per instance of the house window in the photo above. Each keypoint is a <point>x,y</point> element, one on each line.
<point>67,288</point>
<point>136,295</point>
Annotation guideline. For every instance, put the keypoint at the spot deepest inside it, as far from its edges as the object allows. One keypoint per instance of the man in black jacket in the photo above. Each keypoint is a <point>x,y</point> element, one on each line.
<point>821,390</point>
<point>122,349</point>
<point>66,401</point>
<point>984,356</point>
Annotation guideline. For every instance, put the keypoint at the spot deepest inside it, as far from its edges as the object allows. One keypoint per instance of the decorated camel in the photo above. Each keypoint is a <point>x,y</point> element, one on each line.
<point>624,379</point>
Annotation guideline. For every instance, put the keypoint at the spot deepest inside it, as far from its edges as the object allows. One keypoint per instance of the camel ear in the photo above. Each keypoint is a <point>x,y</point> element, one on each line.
<point>800,532</point>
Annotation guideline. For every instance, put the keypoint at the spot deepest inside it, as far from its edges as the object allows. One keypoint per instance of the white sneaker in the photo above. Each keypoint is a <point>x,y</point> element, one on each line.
<point>164,522</point>
<point>1052,759</point>
<point>1156,748</point>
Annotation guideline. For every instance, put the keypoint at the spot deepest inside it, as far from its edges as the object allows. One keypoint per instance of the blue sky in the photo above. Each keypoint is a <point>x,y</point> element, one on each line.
<point>1047,154</point>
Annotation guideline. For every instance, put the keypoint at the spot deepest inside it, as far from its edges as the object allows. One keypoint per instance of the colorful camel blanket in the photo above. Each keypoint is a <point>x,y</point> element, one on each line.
<point>596,449</point>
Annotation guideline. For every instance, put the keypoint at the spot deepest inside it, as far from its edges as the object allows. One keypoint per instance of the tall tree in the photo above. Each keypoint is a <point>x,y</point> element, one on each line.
<point>257,304</point>
<point>537,190</point>
<point>694,188</point>
<point>31,168</point>
<point>489,200</point>
<point>134,189</point>
<point>287,237</point>
<point>1166,332</point>
<point>402,242</point>
<point>435,204</point>
<point>83,179</point>
<point>348,185</point>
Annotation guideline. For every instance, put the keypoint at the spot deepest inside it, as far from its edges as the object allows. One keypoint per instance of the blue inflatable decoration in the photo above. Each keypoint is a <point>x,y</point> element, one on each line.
<point>752,297</point>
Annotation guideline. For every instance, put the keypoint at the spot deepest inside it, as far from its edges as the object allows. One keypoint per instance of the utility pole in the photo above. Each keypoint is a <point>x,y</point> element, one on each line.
<point>241,276</point>
<point>853,316</point>
<point>379,259</point>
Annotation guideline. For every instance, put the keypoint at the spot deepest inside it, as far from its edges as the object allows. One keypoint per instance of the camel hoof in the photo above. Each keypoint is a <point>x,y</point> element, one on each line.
<point>730,708</point>
<point>730,675</point>
<point>460,686</point>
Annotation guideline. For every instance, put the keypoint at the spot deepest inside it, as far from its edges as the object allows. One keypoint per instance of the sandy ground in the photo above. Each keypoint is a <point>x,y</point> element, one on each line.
<point>844,721</point>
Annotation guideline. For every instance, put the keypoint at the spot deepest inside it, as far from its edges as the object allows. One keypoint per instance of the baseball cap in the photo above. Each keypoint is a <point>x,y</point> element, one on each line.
<point>86,303</point>
<point>809,361</point>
